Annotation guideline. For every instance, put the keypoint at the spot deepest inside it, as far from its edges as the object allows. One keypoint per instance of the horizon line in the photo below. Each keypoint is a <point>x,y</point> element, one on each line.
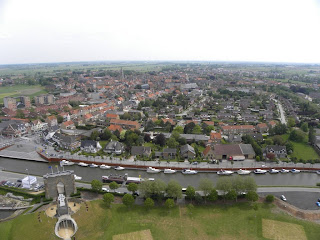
<point>164,61</point>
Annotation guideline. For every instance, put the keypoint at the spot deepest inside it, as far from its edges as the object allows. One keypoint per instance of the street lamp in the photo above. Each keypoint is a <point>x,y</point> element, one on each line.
<point>28,176</point>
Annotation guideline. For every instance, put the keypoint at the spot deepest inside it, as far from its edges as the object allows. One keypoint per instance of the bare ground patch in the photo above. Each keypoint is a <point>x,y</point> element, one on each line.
<point>277,230</point>
<point>140,235</point>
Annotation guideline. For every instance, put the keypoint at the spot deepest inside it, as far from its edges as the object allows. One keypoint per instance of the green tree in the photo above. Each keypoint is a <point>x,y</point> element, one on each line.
<point>148,203</point>
<point>169,204</point>
<point>206,185</point>
<point>173,189</point>
<point>108,198</point>
<point>278,140</point>
<point>59,119</point>
<point>297,135</point>
<point>152,188</point>
<point>106,135</point>
<point>224,184</point>
<point>190,208</point>
<point>232,195</point>
<point>132,187</point>
<point>269,141</point>
<point>252,196</point>
<point>249,184</point>
<point>128,200</point>
<point>269,198</point>
<point>20,114</point>
<point>160,139</point>
<point>304,127</point>
<point>291,122</point>
<point>113,186</point>
<point>188,128</point>
<point>190,192</point>
<point>96,185</point>
<point>197,130</point>
<point>94,135</point>
<point>178,129</point>
<point>213,195</point>
<point>312,136</point>
<point>172,143</point>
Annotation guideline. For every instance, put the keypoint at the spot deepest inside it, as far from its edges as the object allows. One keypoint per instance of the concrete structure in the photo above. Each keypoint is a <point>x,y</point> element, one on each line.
<point>44,99</point>
<point>18,102</point>
<point>10,103</point>
<point>54,181</point>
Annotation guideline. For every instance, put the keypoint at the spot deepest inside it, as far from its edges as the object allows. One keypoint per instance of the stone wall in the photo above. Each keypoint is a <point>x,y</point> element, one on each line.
<point>52,181</point>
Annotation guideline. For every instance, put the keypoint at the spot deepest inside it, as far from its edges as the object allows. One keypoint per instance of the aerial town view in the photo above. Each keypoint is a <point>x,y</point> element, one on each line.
<point>132,128</point>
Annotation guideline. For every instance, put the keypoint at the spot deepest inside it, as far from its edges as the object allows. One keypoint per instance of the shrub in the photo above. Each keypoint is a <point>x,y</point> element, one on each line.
<point>269,198</point>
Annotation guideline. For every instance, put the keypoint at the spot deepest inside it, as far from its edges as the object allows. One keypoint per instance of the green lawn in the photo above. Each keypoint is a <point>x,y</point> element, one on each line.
<point>18,90</point>
<point>302,150</point>
<point>237,221</point>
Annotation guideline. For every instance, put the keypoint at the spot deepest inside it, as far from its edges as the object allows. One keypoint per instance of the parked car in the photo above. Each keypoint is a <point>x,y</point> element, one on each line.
<point>195,163</point>
<point>283,198</point>
<point>105,189</point>
<point>2,183</point>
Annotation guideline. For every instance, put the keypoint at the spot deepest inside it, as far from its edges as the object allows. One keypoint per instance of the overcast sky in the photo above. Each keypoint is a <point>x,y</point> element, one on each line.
<point>34,31</point>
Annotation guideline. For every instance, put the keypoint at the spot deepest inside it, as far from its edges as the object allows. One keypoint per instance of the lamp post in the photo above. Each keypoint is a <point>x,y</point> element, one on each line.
<point>28,176</point>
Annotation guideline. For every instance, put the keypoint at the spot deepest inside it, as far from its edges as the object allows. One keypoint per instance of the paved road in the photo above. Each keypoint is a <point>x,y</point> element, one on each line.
<point>287,189</point>
<point>282,114</point>
<point>13,177</point>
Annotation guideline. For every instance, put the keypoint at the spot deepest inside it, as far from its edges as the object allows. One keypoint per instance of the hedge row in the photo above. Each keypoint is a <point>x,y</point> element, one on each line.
<point>19,192</point>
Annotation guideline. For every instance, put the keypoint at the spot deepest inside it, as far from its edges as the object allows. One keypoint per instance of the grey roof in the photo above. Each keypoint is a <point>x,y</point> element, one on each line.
<point>170,150</point>
<point>186,148</point>
<point>88,143</point>
<point>196,137</point>
<point>114,145</point>
<point>246,149</point>
<point>235,138</point>
<point>140,150</point>
<point>276,148</point>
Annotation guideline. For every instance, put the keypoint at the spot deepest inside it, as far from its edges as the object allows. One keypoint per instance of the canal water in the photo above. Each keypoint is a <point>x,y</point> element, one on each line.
<point>88,174</point>
<point>5,213</point>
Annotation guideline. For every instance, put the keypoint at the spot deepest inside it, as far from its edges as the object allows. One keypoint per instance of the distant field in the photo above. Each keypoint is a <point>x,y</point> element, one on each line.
<point>48,68</point>
<point>18,90</point>
<point>232,222</point>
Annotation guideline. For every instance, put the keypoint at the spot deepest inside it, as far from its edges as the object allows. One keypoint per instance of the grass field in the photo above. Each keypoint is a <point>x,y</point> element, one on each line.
<point>281,230</point>
<point>302,150</point>
<point>18,90</point>
<point>238,221</point>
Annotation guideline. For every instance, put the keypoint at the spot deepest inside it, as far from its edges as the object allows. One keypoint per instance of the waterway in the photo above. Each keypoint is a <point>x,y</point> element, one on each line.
<point>5,213</point>
<point>88,174</point>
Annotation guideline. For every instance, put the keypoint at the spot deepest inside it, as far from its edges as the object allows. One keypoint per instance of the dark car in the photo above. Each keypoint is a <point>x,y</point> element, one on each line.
<point>19,180</point>
<point>2,183</point>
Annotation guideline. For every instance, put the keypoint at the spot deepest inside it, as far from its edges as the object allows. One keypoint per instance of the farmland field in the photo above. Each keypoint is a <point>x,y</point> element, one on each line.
<point>19,90</point>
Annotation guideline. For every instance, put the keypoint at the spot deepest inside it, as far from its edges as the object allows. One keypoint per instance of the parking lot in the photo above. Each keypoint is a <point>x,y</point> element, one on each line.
<point>302,200</point>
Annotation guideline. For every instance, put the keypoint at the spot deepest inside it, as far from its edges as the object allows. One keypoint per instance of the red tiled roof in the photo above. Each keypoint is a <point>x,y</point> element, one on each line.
<point>115,127</point>
<point>215,136</point>
<point>67,123</point>
<point>206,150</point>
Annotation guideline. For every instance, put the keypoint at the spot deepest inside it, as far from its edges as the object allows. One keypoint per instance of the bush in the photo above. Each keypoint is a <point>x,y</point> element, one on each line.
<point>318,184</point>
<point>198,198</point>
<point>77,194</point>
<point>269,198</point>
